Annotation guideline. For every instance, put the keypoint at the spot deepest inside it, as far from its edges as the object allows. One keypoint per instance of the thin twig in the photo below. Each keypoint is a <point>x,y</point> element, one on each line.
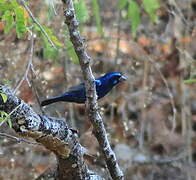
<point>168,90</point>
<point>29,66</point>
<point>34,88</point>
<point>166,160</point>
<point>17,139</point>
<point>53,8</point>
<point>22,2</point>
<point>144,56</point>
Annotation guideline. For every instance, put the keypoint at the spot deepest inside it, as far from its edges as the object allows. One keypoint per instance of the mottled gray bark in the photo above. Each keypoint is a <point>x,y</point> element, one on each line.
<point>53,133</point>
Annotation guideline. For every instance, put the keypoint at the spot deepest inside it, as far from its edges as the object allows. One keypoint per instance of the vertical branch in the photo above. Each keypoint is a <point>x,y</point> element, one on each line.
<point>92,106</point>
<point>143,103</point>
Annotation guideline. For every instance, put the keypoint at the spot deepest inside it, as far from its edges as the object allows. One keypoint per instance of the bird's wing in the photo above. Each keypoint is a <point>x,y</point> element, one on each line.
<point>82,86</point>
<point>77,88</point>
<point>98,82</point>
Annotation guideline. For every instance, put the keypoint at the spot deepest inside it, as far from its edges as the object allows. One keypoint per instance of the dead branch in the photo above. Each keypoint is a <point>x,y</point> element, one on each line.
<point>52,133</point>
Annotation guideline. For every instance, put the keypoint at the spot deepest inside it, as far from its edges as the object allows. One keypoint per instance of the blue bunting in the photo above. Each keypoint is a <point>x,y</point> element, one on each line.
<point>77,94</point>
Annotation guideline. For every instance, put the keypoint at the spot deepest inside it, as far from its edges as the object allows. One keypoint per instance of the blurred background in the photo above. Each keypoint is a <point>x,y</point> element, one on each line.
<point>150,118</point>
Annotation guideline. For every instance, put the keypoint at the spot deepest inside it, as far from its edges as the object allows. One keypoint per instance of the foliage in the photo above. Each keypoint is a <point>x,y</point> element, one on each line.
<point>3,115</point>
<point>7,16</point>
<point>81,11</point>
<point>96,13</point>
<point>6,81</point>
<point>4,97</point>
<point>150,7</point>
<point>48,51</point>
<point>133,11</point>
<point>134,16</point>
<point>14,16</point>
<point>190,81</point>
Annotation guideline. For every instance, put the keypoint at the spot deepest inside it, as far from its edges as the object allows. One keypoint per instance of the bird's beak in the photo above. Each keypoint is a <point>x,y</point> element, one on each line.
<point>122,78</point>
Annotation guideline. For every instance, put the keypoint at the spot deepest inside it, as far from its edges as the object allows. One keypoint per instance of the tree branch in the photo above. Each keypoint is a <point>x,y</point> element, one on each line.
<point>92,106</point>
<point>52,133</point>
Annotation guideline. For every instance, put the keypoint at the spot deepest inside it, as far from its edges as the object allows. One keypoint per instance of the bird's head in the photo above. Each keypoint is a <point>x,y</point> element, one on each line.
<point>114,78</point>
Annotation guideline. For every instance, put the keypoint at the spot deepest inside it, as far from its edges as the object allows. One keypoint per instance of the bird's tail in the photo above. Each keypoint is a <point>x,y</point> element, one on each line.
<point>51,100</point>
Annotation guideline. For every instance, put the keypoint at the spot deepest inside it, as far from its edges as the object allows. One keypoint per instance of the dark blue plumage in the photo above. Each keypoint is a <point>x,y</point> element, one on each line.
<point>77,94</point>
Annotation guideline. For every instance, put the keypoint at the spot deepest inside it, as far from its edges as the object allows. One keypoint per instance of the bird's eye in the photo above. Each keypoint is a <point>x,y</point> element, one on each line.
<point>115,80</point>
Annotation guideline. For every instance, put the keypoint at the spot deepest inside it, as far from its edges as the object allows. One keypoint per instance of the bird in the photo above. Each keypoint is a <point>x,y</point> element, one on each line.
<point>77,94</point>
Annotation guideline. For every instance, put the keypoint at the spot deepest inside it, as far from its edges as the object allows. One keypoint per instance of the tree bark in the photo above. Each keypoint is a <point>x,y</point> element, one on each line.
<point>53,133</point>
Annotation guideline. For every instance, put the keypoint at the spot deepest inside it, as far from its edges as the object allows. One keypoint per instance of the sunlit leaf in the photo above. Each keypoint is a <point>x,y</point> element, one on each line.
<point>134,15</point>
<point>9,21</point>
<point>20,22</point>
<point>56,41</point>
<point>4,97</point>
<point>122,3</point>
<point>151,7</point>
<point>5,117</point>
<point>9,122</point>
<point>14,3</point>
<point>2,1</point>
<point>5,7</point>
<point>26,15</point>
<point>52,36</point>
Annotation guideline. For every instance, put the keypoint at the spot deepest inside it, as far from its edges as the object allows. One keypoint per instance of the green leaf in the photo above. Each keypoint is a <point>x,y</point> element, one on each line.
<point>6,82</point>
<point>5,7</point>
<point>51,35</point>
<point>8,18</point>
<point>5,117</point>
<point>71,52</point>
<point>8,5</point>
<point>122,4</point>
<point>151,7</point>
<point>190,81</point>
<point>4,97</point>
<point>134,15</point>
<point>49,52</point>
<point>81,10</point>
<point>96,13</point>
<point>3,1</point>
<point>15,3</point>
<point>9,122</point>
<point>20,22</point>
